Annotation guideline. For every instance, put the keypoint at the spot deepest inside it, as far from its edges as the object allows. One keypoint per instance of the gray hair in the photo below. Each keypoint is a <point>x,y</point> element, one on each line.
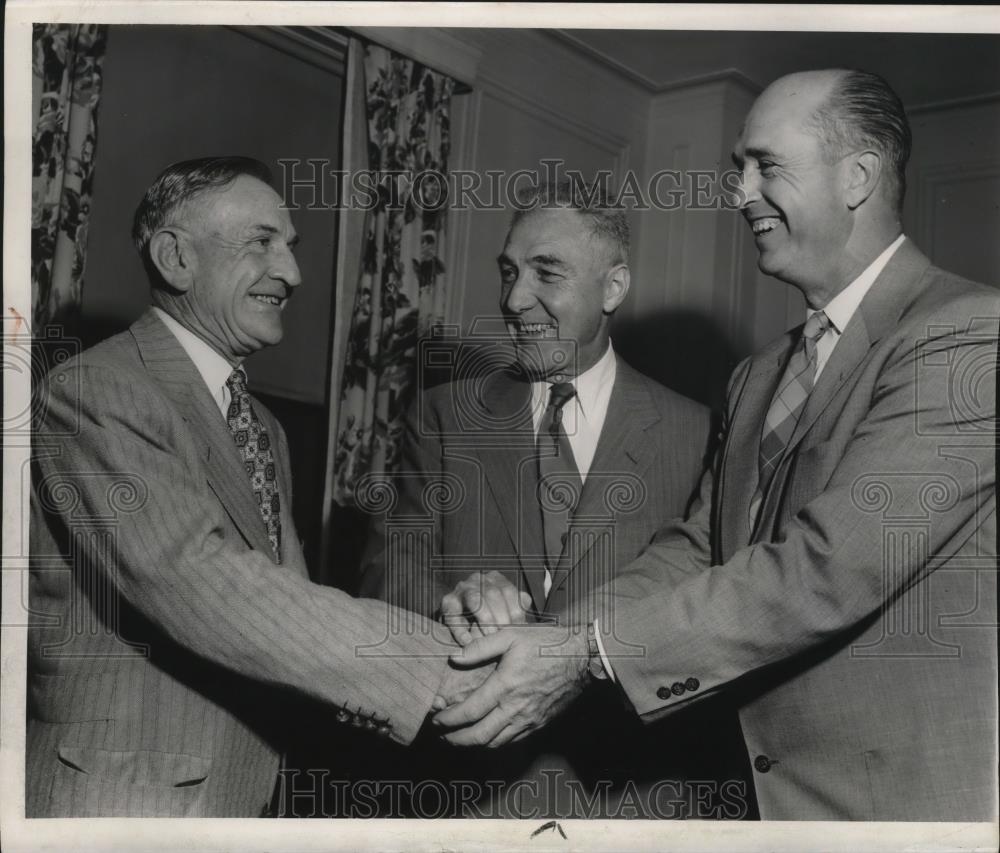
<point>607,222</point>
<point>177,185</point>
<point>862,111</point>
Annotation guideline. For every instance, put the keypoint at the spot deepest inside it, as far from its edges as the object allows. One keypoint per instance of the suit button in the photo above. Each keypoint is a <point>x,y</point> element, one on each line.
<point>343,716</point>
<point>692,684</point>
<point>357,721</point>
<point>371,725</point>
<point>762,763</point>
<point>677,688</point>
<point>384,729</point>
<point>663,692</point>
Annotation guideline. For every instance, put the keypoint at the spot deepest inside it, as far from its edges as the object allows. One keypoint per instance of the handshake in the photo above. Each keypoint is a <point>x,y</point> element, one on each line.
<point>509,678</point>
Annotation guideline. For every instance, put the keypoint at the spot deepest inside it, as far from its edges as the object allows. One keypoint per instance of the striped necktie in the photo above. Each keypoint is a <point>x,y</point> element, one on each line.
<point>254,445</point>
<point>558,477</point>
<point>786,407</point>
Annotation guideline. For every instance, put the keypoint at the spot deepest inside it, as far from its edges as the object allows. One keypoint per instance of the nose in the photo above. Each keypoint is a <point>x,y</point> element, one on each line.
<point>518,297</point>
<point>748,188</point>
<point>286,268</point>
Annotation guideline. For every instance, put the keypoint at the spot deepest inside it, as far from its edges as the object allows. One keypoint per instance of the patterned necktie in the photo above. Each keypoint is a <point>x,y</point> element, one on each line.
<point>558,477</point>
<point>254,445</point>
<point>786,407</point>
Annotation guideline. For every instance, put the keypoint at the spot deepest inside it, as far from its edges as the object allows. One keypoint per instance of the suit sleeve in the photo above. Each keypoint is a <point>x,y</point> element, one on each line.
<point>174,563</point>
<point>398,569</point>
<point>683,546</point>
<point>773,601</point>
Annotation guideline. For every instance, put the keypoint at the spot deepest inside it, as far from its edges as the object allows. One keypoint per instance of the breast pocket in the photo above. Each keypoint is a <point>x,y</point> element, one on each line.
<point>89,782</point>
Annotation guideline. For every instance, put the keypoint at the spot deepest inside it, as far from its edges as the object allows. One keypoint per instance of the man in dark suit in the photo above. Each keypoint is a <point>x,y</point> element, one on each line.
<point>628,456</point>
<point>173,628</point>
<point>837,575</point>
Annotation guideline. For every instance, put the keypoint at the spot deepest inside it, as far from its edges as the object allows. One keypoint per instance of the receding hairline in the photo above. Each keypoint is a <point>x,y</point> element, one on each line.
<point>590,217</point>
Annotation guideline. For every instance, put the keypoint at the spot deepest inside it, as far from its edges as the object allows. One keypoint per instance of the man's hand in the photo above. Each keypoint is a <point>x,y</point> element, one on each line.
<point>481,604</point>
<point>541,671</point>
<point>460,682</point>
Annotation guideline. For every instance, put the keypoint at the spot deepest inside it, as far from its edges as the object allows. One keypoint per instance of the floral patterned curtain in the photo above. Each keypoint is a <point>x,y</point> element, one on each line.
<point>402,288</point>
<point>66,90</point>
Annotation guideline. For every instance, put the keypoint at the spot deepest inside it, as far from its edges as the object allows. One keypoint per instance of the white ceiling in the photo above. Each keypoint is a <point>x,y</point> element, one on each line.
<point>923,68</point>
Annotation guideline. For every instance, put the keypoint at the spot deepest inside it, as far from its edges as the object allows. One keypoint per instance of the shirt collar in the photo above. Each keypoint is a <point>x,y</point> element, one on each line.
<point>588,384</point>
<point>841,308</point>
<point>214,369</point>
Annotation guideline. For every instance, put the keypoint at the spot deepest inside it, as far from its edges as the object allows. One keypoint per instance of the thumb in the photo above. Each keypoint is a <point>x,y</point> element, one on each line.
<point>483,649</point>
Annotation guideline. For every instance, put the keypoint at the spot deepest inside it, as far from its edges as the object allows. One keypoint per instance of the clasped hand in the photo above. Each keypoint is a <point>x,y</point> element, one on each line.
<point>482,604</point>
<point>541,669</point>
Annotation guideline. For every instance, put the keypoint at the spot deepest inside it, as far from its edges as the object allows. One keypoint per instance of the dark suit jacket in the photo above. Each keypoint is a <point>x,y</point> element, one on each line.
<point>856,625</point>
<point>465,500</point>
<point>166,649</point>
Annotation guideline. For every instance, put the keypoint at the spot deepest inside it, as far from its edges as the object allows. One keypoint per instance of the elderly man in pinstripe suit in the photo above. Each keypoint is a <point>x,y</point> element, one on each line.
<point>173,622</point>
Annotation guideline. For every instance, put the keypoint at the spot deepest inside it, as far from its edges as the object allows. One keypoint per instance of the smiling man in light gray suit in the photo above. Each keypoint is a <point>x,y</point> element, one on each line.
<point>174,629</point>
<point>837,576</point>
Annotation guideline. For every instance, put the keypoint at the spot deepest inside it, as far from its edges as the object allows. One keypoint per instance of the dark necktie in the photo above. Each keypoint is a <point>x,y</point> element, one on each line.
<point>786,407</point>
<point>558,478</point>
<point>254,445</point>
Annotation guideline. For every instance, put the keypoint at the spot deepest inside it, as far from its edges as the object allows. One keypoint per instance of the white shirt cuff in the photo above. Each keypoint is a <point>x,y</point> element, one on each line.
<point>600,649</point>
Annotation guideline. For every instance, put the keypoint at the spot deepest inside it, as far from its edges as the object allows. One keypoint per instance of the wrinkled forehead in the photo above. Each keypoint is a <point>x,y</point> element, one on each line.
<point>785,109</point>
<point>246,200</point>
<point>546,229</point>
<point>773,125</point>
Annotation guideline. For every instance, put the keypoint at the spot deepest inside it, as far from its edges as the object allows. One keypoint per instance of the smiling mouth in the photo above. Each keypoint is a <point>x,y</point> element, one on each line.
<point>764,225</point>
<point>268,299</point>
<point>534,330</point>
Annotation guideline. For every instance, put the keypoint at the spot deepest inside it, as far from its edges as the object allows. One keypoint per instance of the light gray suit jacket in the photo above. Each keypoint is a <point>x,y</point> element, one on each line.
<point>167,652</point>
<point>856,625</point>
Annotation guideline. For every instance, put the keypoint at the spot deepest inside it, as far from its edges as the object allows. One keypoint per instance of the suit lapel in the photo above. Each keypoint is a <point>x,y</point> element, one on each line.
<point>510,469</point>
<point>739,473</point>
<point>622,447</point>
<point>878,312</point>
<point>170,366</point>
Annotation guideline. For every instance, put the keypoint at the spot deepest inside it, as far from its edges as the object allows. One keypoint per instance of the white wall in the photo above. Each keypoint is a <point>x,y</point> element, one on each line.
<point>533,98</point>
<point>211,90</point>
<point>698,301</point>
<point>952,207</point>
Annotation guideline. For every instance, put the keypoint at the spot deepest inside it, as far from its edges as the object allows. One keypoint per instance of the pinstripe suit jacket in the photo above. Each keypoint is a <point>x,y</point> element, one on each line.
<point>166,651</point>
<point>466,500</point>
<point>855,626</point>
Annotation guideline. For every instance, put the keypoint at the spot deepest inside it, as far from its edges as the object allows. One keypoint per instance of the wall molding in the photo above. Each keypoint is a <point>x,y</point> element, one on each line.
<point>953,103</point>
<point>930,178</point>
<point>648,84</point>
<point>323,47</point>
<point>553,116</point>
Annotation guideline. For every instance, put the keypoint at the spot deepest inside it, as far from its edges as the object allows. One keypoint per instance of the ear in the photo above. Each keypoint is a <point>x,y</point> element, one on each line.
<point>170,252</point>
<point>616,287</point>
<point>865,172</point>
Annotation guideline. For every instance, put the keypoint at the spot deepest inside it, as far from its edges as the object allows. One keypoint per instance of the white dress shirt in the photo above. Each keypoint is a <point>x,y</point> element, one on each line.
<point>840,309</point>
<point>583,415</point>
<point>214,369</point>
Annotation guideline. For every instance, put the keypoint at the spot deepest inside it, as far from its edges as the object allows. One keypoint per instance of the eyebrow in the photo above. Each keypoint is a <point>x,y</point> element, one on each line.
<point>754,153</point>
<point>549,261</point>
<point>545,260</point>
<point>270,229</point>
